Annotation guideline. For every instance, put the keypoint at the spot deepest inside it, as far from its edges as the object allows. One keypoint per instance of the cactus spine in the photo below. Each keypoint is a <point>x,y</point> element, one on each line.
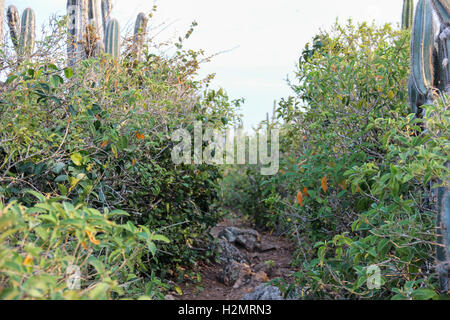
<point>28,32</point>
<point>140,31</point>
<point>112,38</point>
<point>2,19</point>
<point>408,12</point>
<point>14,26</point>
<point>106,14</point>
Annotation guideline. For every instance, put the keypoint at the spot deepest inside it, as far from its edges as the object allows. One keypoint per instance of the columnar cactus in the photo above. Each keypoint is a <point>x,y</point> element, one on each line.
<point>27,32</point>
<point>14,26</point>
<point>106,14</point>
<point>2,19</point>
<point>112,38</point>
<point>430,77</point>
<point>94,15</point>
<point>22,31</point>
<point>422,46</point>
<point>77,13</point>
<point>407,15</point>
<point>140,31</point>
<point>93,43</point>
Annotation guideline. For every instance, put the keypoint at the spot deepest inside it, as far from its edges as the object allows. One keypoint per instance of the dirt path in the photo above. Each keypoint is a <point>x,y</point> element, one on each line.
<point>273,262</point>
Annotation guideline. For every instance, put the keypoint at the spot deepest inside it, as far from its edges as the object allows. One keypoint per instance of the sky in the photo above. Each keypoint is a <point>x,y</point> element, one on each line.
<point>261,40</point>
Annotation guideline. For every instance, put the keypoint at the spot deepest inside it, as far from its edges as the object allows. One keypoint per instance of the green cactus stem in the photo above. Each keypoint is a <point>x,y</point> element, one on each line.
<point>14,26</point>
<point>442,9</point>
<point>76,10</point>
<point>112,38</point>
<point>422,46</point>
<point>407,15</point>
<point>106,14</point>
<point>430,79</point>
<point>140,31</point>
<point>27,32</point>
<point>92,30</point>
<point>93,17</point>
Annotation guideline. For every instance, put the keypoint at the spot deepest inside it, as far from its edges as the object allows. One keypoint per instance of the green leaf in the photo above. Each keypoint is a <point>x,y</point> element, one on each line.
<point>99,292</point>
<point>424,294</point>
<point>59,167</point>
<point>97,264</point>
<point>159,237</point>
<point>151,247</point>
<point>68,72</point>
<point>56,80</point>
<point>61,178</point>
<point>77,159</point>
<point>39,196</point>
<point>11,79</point>
<point>116,213</point>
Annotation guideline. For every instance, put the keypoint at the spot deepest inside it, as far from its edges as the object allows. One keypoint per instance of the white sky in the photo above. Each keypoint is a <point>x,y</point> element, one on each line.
<point>269,36</point>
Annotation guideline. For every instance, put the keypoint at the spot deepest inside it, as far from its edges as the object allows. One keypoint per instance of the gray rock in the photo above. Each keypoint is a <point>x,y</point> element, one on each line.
<point>234,273</point>
<point>229,253</point>
<point>264,267</point>
<point>246,238</point>
<point>264,292</point>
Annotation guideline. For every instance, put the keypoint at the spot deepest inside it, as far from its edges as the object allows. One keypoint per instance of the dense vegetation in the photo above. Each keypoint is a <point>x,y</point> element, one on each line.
<point>86,175</point>
<point>356,170</point>
<point>88,185</point>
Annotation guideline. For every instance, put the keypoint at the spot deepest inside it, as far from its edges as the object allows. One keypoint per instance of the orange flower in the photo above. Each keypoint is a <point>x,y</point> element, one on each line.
<point>28,260</point>
<point>305,191</point>
<point>83,243</point>
<point>92,238</point>
<point>300,198</point>
<point>324,184</point>
<point>104,144</point>
<point>140,136</point>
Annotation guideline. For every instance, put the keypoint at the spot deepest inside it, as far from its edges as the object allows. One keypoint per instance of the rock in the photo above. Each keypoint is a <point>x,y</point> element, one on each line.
<point>261,276</point>
<point>169,297</point>
<point>234,273</point>
<point>228,234</point>
<point>268,269</point>
<point>246,238</point>
<point>264,292</point>
<point>229,253</point>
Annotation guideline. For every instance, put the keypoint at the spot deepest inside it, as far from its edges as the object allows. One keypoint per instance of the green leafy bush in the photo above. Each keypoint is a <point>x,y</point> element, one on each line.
<point>99,134</point>
<point>354,185</point>
<point>40,244</point>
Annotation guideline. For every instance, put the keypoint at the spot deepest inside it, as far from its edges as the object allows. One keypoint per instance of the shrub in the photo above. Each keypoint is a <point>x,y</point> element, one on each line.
<point>99,135</point>
<point>353,188</point>
<point>41,244</point>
